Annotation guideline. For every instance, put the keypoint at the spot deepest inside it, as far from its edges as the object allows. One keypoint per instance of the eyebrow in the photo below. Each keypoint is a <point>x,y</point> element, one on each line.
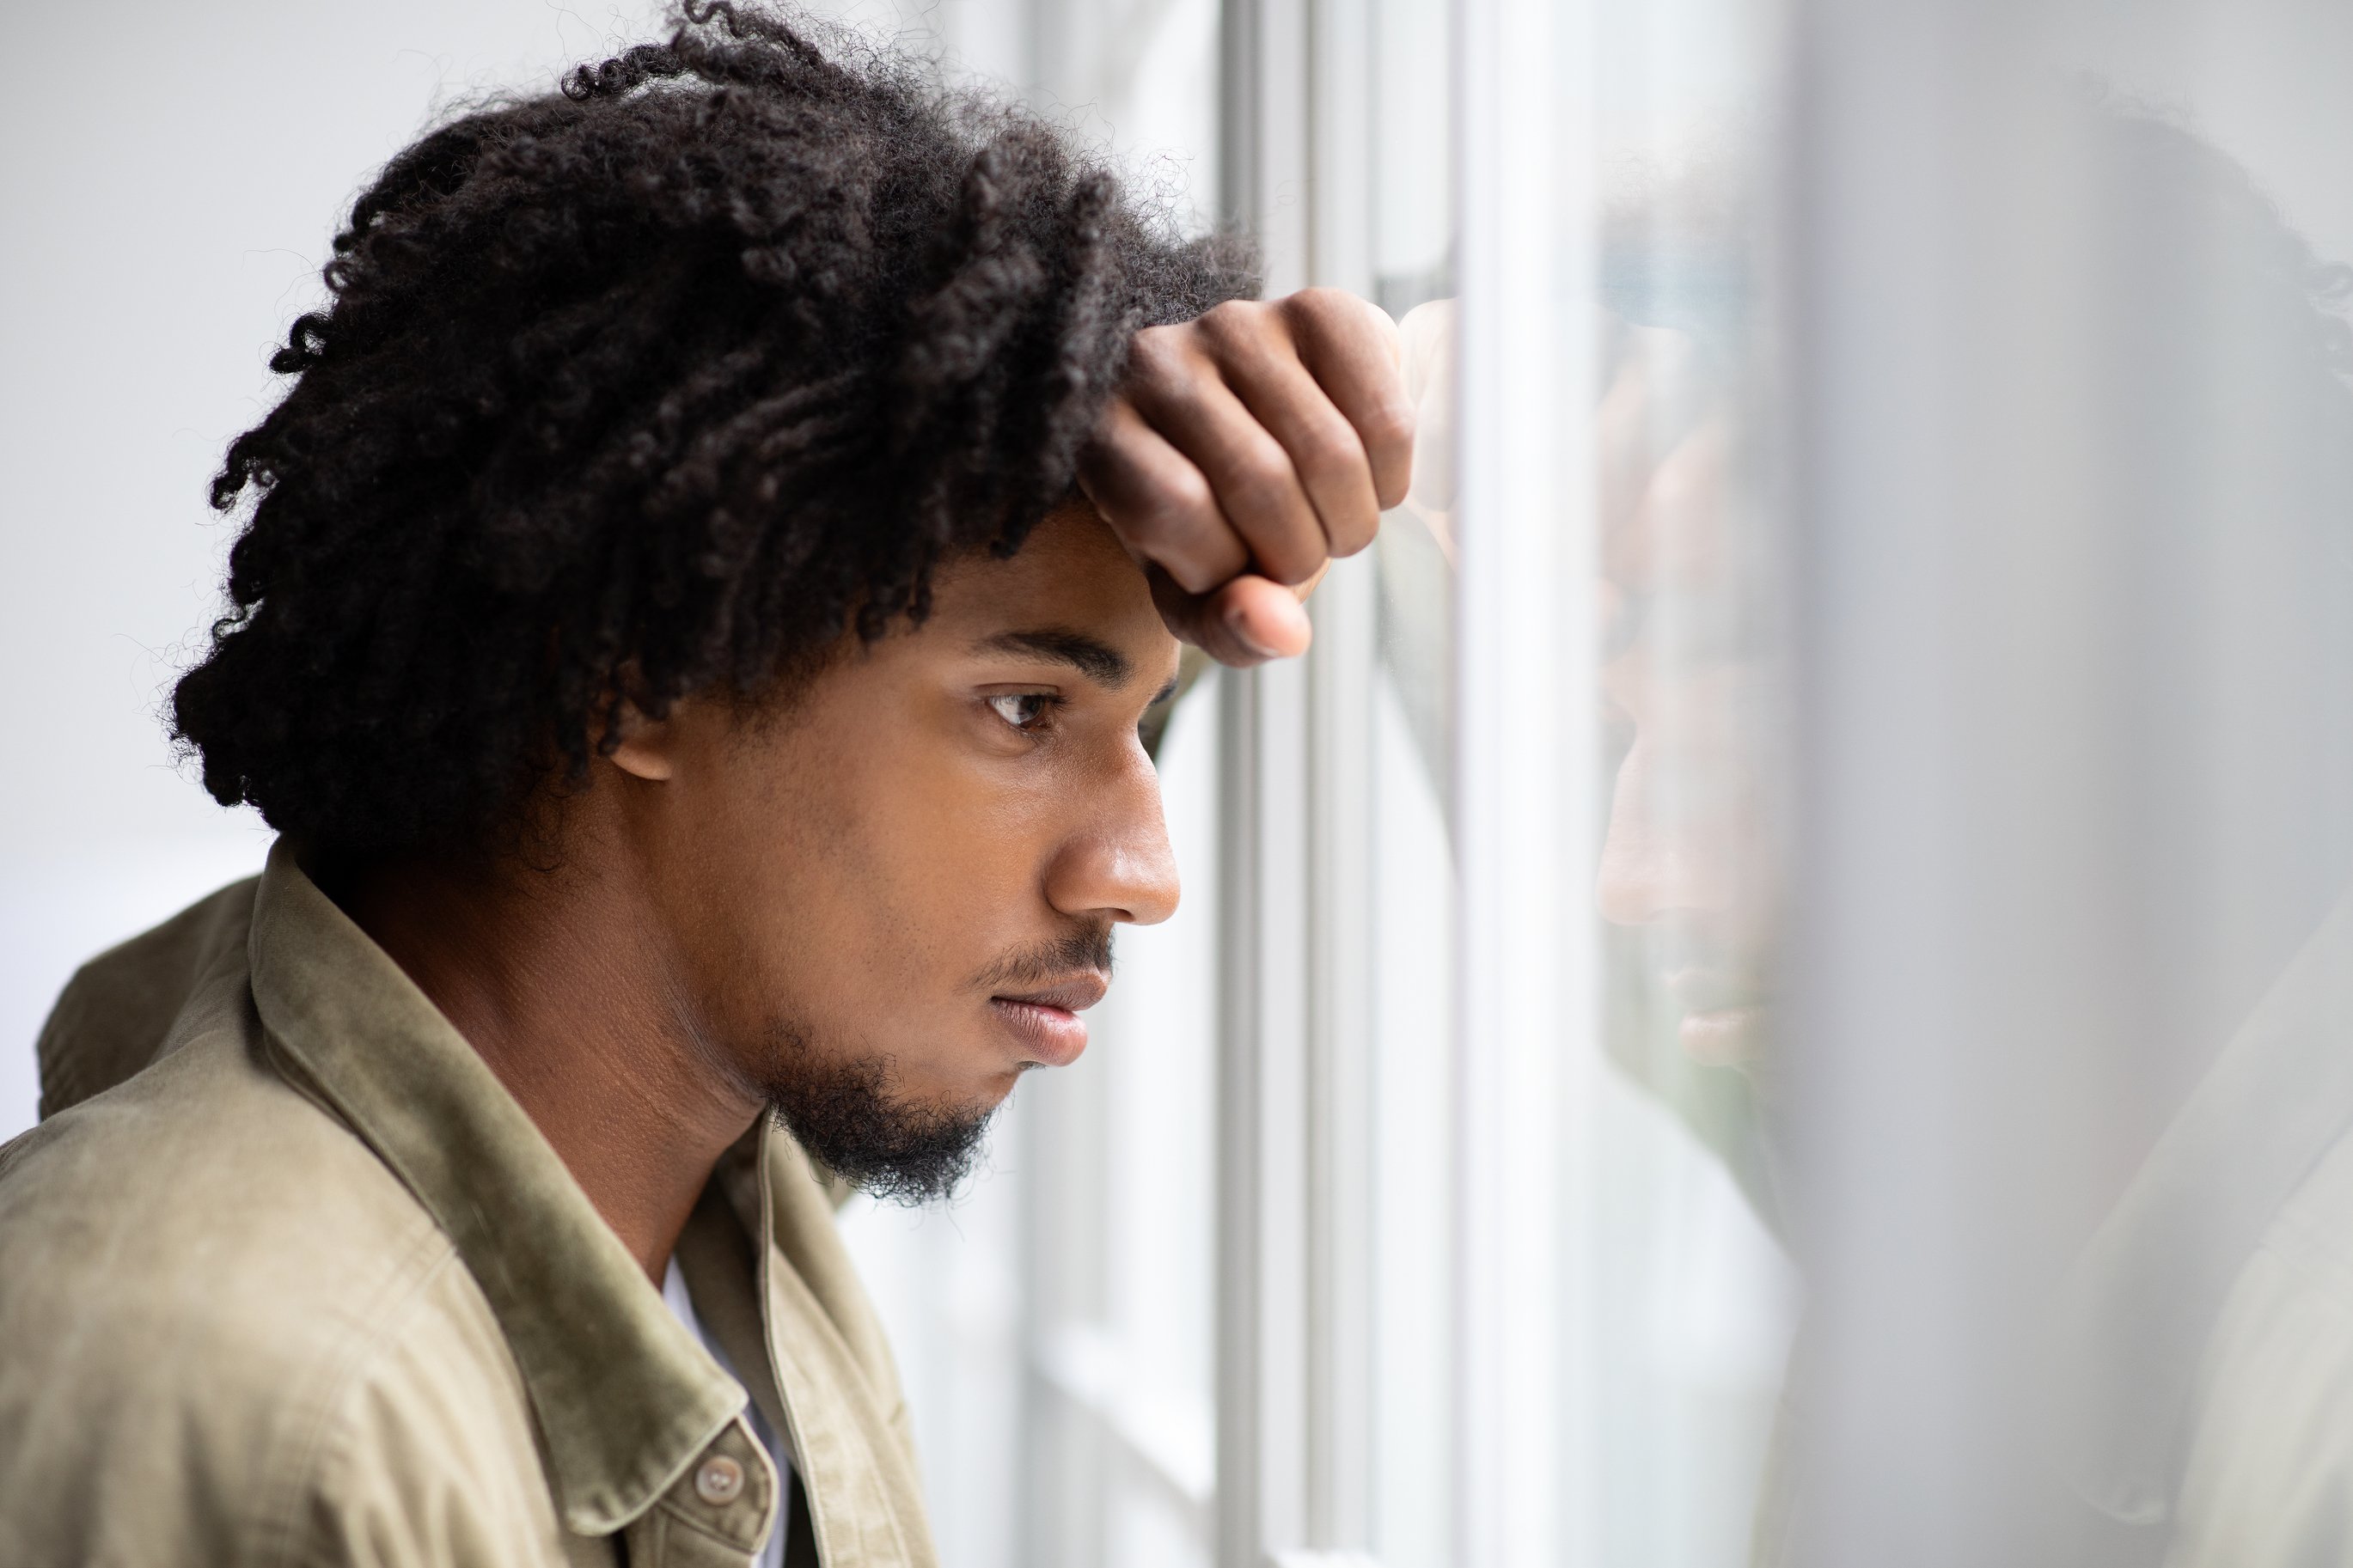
<point>1097,661</point>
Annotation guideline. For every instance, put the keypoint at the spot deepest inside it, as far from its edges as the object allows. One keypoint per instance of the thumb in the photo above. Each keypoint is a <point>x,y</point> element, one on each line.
<point>1246,621</point>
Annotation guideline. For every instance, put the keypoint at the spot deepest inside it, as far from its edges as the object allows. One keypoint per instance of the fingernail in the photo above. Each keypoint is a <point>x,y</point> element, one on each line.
<point>1239,623</point>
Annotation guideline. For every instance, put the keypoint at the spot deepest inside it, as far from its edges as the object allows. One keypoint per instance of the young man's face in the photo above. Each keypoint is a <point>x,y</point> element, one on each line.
<point>1690,860</point>
<point>889,899</point>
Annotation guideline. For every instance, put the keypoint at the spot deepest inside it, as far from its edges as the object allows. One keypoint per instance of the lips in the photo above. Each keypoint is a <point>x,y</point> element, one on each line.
<point>1045,1020</point>
<point>1723,1017</point>
<point>1075,994</point>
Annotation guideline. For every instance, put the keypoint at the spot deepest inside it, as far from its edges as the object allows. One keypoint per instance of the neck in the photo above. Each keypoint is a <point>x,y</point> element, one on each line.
<point>551,977</point>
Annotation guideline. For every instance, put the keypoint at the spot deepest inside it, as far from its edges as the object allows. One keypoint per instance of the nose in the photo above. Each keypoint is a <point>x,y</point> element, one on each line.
<point>1628,891</point>
<point>1650,870</point>
<point>1119,864</point>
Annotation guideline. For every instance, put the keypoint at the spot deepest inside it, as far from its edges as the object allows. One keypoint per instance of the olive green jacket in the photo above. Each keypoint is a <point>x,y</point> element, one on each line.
<point>286,1277</point>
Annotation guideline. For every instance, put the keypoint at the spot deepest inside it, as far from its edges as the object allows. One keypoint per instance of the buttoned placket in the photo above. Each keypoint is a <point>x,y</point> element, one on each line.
<point>718,1511</point>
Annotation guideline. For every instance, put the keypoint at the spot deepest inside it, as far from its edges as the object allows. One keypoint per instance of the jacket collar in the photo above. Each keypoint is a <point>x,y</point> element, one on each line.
<point>2145,1295</point>
<point>625,1399</point>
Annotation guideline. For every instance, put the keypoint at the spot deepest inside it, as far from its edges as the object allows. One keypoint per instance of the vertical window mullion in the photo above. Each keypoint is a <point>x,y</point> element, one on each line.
<point>1524,783</point>
<point>1294,1343</point>
<point>1339,1080</point>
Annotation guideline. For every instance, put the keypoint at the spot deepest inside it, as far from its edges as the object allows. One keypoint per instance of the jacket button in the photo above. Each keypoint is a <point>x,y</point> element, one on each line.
<point>718,1481</point>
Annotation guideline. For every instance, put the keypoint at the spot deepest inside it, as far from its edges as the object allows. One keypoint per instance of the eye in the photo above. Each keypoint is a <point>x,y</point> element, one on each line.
<point>1027,712</point>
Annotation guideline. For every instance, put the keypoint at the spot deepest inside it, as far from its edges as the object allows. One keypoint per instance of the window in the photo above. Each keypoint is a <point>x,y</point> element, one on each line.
<point>1840,757</point>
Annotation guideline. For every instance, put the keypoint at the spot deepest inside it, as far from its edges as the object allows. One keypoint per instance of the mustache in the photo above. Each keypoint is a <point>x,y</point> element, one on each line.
<point>1088,948</point>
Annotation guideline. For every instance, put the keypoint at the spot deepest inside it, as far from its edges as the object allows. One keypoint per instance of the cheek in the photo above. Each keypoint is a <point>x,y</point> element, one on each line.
<point>877,883</point>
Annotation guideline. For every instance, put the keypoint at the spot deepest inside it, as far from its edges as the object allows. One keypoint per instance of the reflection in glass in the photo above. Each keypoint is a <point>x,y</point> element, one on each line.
<point>2065,1039</point>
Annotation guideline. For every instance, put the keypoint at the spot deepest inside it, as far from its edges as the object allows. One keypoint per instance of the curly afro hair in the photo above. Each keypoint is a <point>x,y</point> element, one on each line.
<point>658,385</point>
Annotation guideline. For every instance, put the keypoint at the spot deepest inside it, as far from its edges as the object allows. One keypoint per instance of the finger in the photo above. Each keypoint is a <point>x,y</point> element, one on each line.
<point>1249,621</point>
<point>1158,502</point>
<point>1263,368</point>
<point>1182,395</point>
<point>1428,337</point>
<point>1352,349</point>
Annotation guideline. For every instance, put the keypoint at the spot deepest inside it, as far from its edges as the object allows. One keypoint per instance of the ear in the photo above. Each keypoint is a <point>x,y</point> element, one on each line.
<point>646,746</point>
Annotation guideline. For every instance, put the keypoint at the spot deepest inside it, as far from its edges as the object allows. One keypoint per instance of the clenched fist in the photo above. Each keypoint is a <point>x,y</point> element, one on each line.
<point>1244,452</point>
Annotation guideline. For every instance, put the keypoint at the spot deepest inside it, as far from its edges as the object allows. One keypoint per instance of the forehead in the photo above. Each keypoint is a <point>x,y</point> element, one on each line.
<point>1071,573</point>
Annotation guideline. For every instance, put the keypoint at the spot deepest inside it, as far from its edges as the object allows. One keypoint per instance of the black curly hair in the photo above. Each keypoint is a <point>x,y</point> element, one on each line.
<point>659,384</point>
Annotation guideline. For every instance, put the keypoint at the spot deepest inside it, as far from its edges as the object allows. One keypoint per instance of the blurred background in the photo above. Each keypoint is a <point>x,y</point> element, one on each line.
<point>1775,988</point>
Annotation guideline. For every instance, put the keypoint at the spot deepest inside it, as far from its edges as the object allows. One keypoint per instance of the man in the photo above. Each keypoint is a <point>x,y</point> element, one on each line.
<point>701,594</point>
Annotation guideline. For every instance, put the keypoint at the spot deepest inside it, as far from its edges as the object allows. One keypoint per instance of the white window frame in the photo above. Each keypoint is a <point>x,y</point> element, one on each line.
<point>1294,1333</point>
<point>1296,1459</point>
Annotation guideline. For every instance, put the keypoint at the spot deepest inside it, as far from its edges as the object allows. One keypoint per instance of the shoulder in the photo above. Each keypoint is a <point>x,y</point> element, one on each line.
<point>116,1011</point>
<point>2268,1472</point>
<point>228,1333</point>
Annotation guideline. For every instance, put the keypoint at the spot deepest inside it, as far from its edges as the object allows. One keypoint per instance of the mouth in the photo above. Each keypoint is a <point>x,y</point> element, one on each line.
<point>1046,1021</point>
<point>1722,1019</point>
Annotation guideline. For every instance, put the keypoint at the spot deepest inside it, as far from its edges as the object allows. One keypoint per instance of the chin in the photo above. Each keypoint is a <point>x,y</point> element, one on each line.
<point>1724,1036</point>
<point>988,1095</point>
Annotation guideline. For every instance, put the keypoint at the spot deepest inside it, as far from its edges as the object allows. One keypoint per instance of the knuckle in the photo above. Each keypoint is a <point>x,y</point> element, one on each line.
<point>1353,528</point>
<point>1154,352</point>
<point>1234,322</point>
<point>1111,446</point>
<point>1262,486</point>
<point>1178,393</point>
<point>1390,428</point>
<point>1332,452</point>
<point>1175,506</point>
<point>1321,306</point>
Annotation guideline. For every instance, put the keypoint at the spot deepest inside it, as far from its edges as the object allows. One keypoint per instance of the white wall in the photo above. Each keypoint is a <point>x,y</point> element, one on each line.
<point>174,174</point>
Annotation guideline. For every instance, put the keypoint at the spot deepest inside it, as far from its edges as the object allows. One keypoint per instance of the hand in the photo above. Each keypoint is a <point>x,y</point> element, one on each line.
<point>1245,451</point>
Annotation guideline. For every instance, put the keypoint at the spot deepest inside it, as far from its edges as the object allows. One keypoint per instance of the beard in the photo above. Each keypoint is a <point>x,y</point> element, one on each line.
<point>846,1114</point>
<point>850,1119</point>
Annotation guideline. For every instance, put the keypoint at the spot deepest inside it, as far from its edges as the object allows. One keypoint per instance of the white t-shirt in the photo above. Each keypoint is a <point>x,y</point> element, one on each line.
<point>681,1307</point>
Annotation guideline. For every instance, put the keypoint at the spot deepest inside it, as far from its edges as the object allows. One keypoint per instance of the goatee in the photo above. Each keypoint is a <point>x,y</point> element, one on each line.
<point>852,1122</point>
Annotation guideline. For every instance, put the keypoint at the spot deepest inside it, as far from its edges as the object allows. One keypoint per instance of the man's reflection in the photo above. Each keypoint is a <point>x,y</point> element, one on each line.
<point>1692,702</point>
<point>2222,428</point>
<point>1690,695</point>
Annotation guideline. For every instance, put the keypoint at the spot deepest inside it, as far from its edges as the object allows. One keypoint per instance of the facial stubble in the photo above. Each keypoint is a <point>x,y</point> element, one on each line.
<point>852,1121</point>
<point>849,1114</point>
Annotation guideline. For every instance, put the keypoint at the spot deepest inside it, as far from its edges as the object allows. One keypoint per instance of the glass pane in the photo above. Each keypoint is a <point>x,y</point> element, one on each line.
<point>1693,1302</point>
<point>1626,645</point>
<point>1411,762</point>
<point>2077,750</point>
